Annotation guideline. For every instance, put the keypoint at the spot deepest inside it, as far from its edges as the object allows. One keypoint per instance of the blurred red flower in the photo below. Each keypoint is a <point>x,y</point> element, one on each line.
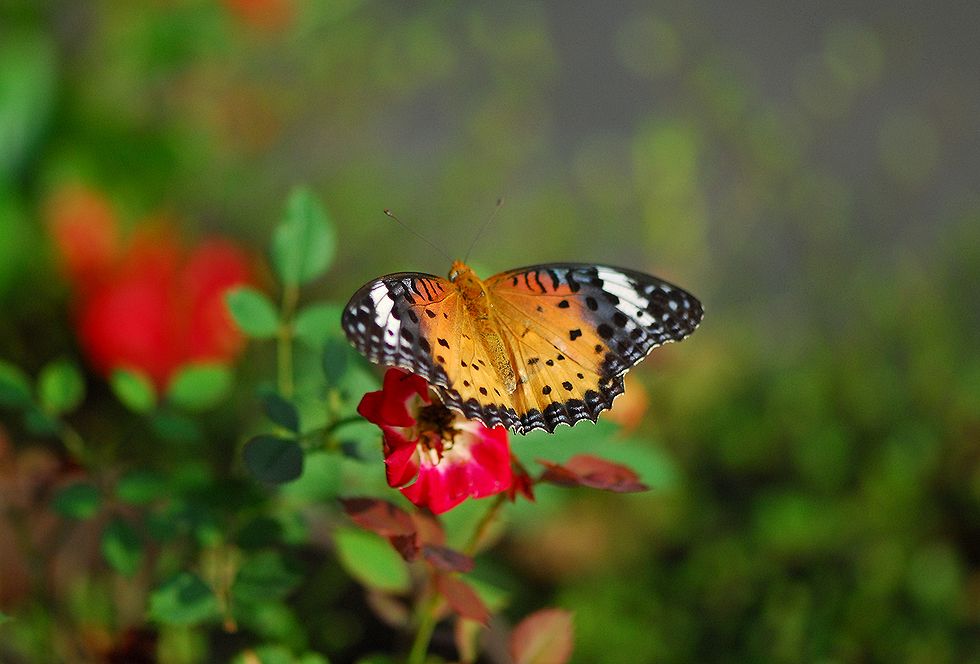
<point>151,304</point>
<point>449,458</point>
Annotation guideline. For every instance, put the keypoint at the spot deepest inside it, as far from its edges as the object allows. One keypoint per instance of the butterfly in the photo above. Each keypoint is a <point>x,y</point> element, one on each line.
<point>529,348</point>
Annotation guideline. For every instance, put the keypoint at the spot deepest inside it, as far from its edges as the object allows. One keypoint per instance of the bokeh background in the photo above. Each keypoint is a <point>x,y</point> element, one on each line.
<point>810,170</point>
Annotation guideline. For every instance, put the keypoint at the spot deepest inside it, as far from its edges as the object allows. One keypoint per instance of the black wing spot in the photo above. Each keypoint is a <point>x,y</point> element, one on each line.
<point>407,335</point>
<point>440,359</point>
<point>598,348</point>
<point>463,364</point>
<point>540,309</point>
<point>533,360</point>
<point>546,390</point>
<point>430,313</point>
<point>611,298</point>
<point>476,367</point>
<point>424,344</point>
<point>483,391</point>
<point>580,375</point>
<point>620,319</point>
<point>445,314</point>
<point>550,363</point>
<point>574,334</point>
<point>564,304</point>
<point>560,357</point>
<point>466,383</point>
<point>567,386</point>
<point>414,316</point>
<point>604,331</point>
<point>591,303</point>
<point>443,343</point>
<point>496,391</point>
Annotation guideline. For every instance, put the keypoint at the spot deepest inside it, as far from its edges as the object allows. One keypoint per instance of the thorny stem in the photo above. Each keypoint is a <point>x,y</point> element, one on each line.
<point>284,347</point>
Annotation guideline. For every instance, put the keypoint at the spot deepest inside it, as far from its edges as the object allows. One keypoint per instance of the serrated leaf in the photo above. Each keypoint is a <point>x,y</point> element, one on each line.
<point>199,387</point>
<point>121,547</point>
<point>134,390</point>
<point>317,323</point>
<point>80,500</point>
<point>371,560</point>
<point>303,245</point>
<point>139,487</point>
<point>334,360</point>
<point>544,637</point>
<point>265,576</point>
<point>281,411</point>
<point>274,460</point>
<point>253,312</point>
<point>15,386</point>
<point>60,387</point>
<point>183,600</point>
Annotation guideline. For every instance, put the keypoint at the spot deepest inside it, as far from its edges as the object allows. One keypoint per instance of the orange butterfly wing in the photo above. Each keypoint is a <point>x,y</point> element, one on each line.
<point>418,322</point>
<point>574,330</point>
<point>570,332</point>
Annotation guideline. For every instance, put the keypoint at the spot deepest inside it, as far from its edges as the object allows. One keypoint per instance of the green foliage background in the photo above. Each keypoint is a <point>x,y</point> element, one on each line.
<point>809,171</point>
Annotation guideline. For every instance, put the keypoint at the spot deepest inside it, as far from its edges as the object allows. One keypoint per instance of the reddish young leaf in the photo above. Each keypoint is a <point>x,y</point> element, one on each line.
<point>379,516</point>
<point>462,598</point>
<point>407,546</point>
<point>429,529</point>
<point>446,559</point>
<point>544,637</point>
<point>590,471</point>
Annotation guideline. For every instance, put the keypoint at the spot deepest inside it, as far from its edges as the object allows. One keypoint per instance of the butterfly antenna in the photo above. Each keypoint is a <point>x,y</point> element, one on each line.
<point>500,204</point>
<point>418,235</point>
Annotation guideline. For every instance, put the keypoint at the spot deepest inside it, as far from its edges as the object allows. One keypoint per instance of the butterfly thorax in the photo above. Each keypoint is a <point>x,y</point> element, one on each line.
<point>479,306</point>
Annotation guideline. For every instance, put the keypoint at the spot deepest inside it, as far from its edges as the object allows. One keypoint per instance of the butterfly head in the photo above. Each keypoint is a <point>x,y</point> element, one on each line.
<point>466,281</point>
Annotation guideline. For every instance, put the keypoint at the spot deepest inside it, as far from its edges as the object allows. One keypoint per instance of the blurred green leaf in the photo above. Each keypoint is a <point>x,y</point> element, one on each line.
<point>265,576</point>
<point>28,80</point>
<point>80,500</point>
<point>335,360</point>
<point>61,387</point>
<point>39,423</point>
<point>371,560</point>
<point>199,387</point>
<point>121,547</point>
<point>183,600</point>
<point>303,245</point>
<point>15,386</point>
<point>281,411</point>
<point>273,460</point>
<point>134,390</point>
<point>139,487</point>
<point>4,618</point>
<point>320,480</point>
<point>317,323</point>
<point>253,312</point>
<point>176,427</point>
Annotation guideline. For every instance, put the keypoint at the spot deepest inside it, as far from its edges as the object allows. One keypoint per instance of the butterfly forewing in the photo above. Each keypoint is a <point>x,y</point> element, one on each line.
<point>576,329</point>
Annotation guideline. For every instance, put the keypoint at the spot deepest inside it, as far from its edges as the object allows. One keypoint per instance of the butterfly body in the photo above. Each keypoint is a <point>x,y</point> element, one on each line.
<point>530,348</point>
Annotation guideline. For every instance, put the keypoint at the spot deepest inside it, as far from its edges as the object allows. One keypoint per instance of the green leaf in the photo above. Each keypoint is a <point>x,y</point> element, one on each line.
<point>281,411</point>
<point>265,576</point>
<point>80,500</point>
<point>303,245</point>
<point>134,390</point>
<point>139,487</point>
<point>61,387</point>
<point>253,312</point>
<point>317,323</point>
<point>15,386</point>
<point>4,618</point>
<point>121,547</point>
<point>334,360</point>
<point>40,423</point>
<point>183,600</point>
<point>198,387</point>
<point>273,460</point>
<point>371,560</point>
<point>177,428</point>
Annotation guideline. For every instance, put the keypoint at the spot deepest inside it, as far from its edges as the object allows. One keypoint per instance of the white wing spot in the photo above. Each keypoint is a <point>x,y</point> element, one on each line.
<point>631,303</point>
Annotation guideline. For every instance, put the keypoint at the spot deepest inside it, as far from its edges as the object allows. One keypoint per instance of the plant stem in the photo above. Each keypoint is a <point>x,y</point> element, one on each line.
<point>427,625</point>
<point>284,347</point>
<point>484,525</point>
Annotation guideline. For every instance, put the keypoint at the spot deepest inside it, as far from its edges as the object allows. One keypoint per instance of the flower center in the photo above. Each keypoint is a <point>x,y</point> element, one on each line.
<point>436,430</point>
